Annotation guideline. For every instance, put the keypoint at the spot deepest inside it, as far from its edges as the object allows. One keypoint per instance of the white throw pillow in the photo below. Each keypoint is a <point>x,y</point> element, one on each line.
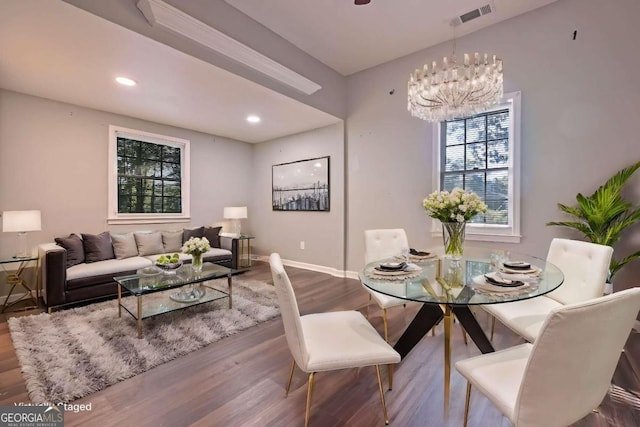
<point>124,245</point>
<point>149,243</point>
<point>172,241</point>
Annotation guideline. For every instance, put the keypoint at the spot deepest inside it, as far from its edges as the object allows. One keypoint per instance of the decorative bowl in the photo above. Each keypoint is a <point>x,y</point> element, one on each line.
<point>169,266</point>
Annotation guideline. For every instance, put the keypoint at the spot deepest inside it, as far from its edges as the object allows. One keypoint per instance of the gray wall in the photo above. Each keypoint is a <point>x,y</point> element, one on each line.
<point>580,102</point>
<point>53,157</point>
<point>322,232</point>
<point>580,105</point>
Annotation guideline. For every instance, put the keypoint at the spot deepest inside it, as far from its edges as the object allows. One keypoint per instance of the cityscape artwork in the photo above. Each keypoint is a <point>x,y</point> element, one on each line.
<point>301,186</point>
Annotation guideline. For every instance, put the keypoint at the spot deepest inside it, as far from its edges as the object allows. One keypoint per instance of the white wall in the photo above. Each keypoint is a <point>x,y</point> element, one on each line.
<point>53,157</point>
<point>580,106</point>
<point>282,231</point>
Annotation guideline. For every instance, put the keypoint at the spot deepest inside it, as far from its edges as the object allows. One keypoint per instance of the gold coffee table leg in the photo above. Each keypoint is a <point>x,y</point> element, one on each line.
<point>119,300</point>
<point>229,279</point>
<point>448,322</point>
<point>139,298</point>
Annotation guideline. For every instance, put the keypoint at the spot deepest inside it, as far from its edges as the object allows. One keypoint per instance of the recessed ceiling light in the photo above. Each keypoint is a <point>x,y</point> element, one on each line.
<point>253,119</point>
<point>125,81</point>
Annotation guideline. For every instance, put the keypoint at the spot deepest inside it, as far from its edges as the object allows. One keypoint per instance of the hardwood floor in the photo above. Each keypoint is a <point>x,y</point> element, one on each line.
<point>240,380</point>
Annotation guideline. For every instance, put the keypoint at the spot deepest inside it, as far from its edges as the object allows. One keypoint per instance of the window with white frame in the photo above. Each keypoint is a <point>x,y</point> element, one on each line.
<point>148,177</point>
<point>481,154</point>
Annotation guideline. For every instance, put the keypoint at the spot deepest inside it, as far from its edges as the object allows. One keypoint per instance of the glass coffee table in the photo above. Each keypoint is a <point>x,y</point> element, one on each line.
<point>182,280</point>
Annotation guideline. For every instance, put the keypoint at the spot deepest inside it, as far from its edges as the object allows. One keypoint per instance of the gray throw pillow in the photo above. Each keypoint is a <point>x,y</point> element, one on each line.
<point>97,247</point>
<point>74,248</point>
<point>149,243</point>
<point>192,232</point>
<point>172,241</point>
<point>124,245</point>
<point>213,236</point>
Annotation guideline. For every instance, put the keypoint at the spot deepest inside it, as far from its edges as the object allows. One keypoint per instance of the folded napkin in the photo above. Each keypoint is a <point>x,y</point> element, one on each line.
<point>497,280</point>
<point>412,267</point>
<point>391,266</point>
<point>482,284</point>
<point>419,253</point>
<point>517,265</point>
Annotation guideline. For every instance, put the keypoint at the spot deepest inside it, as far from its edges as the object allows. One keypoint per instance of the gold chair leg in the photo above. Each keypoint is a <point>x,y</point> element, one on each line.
<point>386,326</point>
<point>293,365</point>
<point>390,368</point>
<point>493,326</point>
<point>466,404</point>
<point>309,392</point>
<point>433,331</point>
<point>384,406</point>
<point>464,335</point>
<point>368,306</point>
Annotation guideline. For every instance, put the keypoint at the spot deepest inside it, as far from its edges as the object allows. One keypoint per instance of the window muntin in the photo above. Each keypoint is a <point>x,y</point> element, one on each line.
<point>148,177</point>
<point>476,158</point>
<point>481,154</point>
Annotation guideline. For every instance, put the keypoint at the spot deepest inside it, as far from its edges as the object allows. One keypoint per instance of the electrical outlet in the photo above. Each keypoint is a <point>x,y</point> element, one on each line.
<point>302,244</point>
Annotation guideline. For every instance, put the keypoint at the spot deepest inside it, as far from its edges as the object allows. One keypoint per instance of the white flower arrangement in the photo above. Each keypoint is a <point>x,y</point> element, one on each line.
<point>196,246</point>
<point>455,206</point>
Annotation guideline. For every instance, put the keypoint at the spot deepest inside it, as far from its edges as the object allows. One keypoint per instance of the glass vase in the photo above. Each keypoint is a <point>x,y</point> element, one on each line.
<point>196,262</point>
<point>453,238</point>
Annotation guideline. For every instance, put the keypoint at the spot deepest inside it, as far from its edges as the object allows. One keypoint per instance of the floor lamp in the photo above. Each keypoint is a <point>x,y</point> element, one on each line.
<point>235,214</point>
<point>21,222</point>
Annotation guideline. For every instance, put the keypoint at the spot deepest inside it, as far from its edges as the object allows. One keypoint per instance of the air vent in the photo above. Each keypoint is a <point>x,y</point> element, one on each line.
<point>473,14</point>
<point>470,15</point>
<point>486,9</point>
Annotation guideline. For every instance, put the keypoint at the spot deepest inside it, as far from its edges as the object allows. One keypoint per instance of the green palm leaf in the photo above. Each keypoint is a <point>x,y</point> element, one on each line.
<point>603,216</point>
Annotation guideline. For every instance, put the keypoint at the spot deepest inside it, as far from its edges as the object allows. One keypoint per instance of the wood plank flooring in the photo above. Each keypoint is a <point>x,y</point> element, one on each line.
<point>240,380</point>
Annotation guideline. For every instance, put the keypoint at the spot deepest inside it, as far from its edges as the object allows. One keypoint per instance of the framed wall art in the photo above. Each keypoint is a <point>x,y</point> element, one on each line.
<point>301,186</point>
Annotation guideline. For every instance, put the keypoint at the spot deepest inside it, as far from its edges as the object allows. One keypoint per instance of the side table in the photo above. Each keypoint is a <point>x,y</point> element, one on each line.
<point>16,280</point>
<point>244,251</point>
<point>243,244</point>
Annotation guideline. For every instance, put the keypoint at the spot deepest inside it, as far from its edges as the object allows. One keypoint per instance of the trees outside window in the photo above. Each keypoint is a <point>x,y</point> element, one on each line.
<point>148,177</point>
<point>479,154</point>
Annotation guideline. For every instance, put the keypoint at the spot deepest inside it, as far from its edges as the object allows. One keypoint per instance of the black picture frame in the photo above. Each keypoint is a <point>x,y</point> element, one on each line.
<point>302,185</point>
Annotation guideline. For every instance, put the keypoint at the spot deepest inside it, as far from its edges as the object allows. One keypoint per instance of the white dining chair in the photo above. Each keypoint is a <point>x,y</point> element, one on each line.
<point>329,341</point>
<point>566,373</point>
<point>585,267</point>
<point>378,245</point>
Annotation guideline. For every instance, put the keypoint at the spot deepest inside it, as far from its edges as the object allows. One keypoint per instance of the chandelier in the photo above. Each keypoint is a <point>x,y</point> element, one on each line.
<point>455,91</point>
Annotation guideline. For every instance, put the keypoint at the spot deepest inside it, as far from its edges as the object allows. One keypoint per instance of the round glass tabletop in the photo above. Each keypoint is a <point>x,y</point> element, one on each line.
<point>481,276</point>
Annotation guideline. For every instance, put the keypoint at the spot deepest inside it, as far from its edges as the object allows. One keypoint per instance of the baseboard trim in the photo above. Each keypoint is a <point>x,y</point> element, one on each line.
<point>314,267</point>
<point>352,275</point>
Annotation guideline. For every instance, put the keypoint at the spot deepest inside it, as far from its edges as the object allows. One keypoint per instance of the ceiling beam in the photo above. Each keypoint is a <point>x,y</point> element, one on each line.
<point>157,12</point>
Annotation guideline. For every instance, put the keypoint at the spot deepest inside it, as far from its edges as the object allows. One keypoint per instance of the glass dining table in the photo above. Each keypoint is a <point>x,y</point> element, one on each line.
<point>450,287</point>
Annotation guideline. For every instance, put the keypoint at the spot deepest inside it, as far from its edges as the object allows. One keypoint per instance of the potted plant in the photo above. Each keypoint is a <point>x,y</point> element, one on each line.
<point>603,216</point>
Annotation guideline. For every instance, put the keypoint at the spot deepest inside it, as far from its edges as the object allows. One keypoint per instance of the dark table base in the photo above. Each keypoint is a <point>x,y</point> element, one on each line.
<point>431,315</point>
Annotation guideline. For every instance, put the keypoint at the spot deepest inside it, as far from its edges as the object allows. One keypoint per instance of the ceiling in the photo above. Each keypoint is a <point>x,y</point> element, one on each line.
<point>57,51</point>
<point>350,38</point>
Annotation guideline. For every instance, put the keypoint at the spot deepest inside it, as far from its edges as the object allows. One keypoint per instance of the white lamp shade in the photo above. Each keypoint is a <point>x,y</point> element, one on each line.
<point>235,212</point>
<point>21,221</point>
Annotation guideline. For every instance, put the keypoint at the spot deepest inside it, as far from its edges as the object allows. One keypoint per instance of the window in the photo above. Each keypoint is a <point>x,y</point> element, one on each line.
<point>480,154</point>
<point>148,177</point>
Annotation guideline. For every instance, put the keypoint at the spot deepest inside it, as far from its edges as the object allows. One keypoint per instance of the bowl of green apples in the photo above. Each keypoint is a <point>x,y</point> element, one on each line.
<point>169,261</point>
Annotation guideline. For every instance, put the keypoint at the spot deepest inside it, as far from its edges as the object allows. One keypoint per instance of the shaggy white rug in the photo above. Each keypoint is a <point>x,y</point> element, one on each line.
<point>72,353</point>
